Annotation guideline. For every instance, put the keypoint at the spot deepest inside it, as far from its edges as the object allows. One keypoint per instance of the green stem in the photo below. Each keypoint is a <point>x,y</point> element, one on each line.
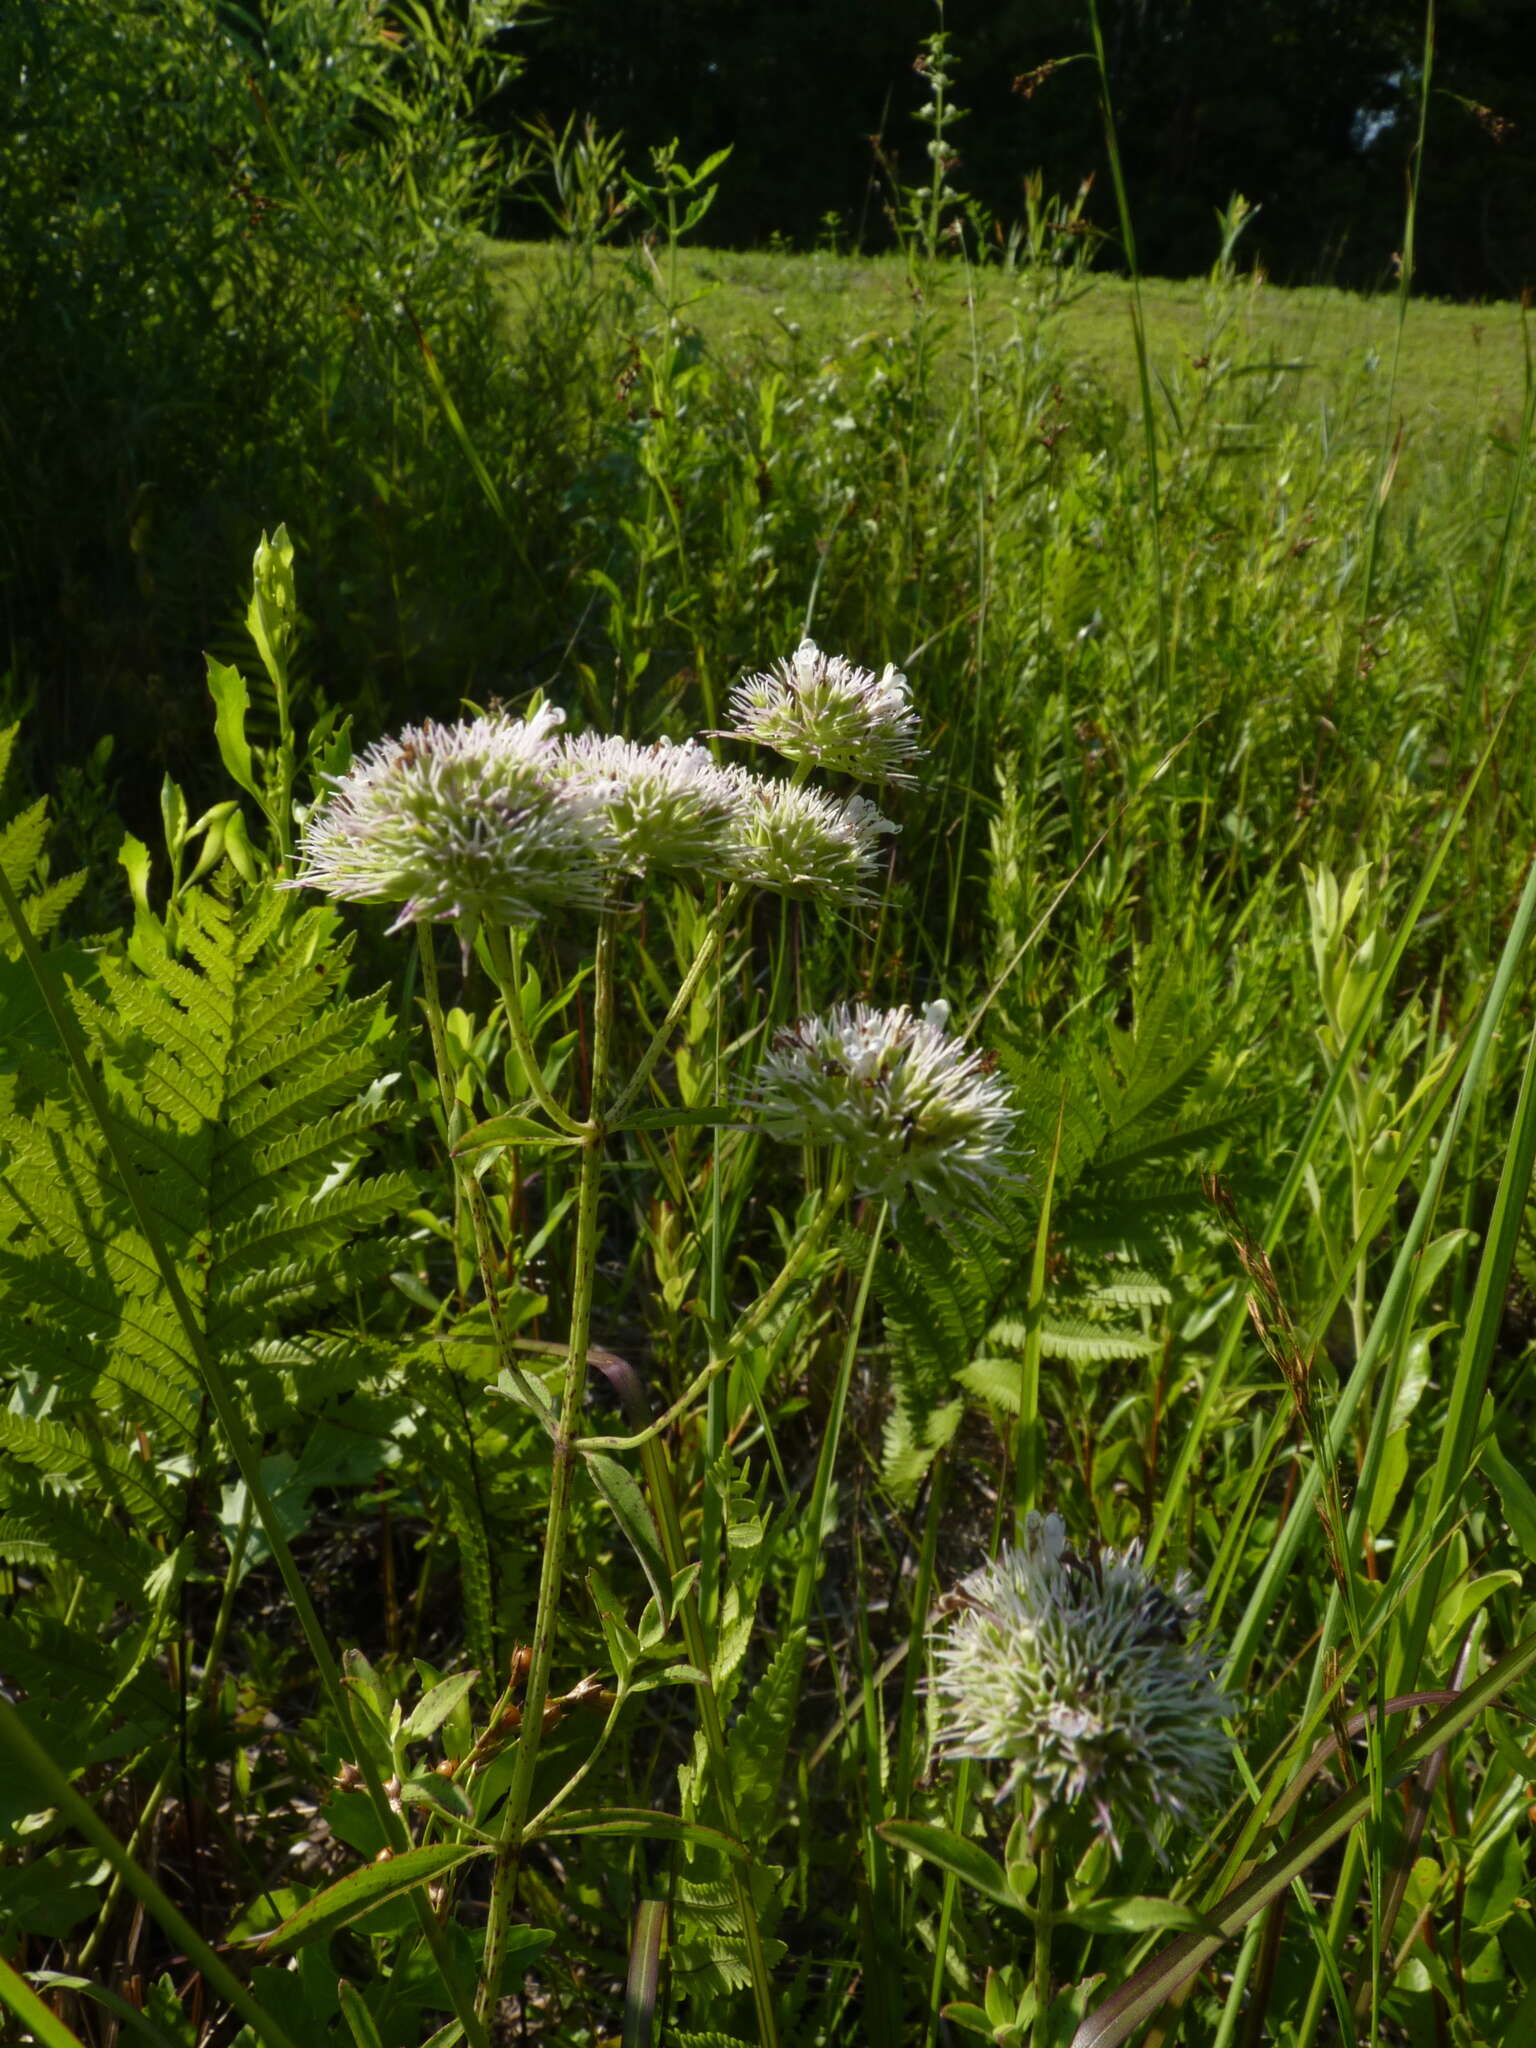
<point>1143,363</point>
<point>507,968</point>
<point>562,1474</point>
<point>48,1784</point>
<point>688,989</point>
<point>226,1408</point>
<point>1029,1434</point>
<point>1045,1929</point>
<point>152,1804</point>
<point>669,1526</point>
<point>951,1892</point>
<point>468,1183</point>
<point>811,1553</point>
<point>789,1272</point>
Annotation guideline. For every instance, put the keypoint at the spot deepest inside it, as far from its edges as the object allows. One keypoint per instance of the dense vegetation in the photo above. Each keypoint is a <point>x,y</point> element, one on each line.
<point>480,1521</point>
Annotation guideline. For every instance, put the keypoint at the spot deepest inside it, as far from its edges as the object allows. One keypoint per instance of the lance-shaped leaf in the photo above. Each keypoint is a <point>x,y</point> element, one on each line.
<point>953,1853</point>
<point>511,1129</point>
<point>359,1892</point>
<point>633,1820</point>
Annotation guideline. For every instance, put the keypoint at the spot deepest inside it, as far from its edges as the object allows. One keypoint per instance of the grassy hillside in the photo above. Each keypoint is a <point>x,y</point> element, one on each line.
<point>1462,367</point>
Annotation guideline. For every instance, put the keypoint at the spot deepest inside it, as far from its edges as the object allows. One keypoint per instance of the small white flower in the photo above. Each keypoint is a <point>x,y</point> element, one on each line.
<point>821,711</point>
<point>909,1110</point>
<point>802,842</point>
<point>1079,1671</point>
<point>458,823</point>
<point>665,806</point>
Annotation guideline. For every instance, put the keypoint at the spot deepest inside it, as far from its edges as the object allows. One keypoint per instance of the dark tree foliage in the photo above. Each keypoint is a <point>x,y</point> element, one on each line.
<point>1307,107</point>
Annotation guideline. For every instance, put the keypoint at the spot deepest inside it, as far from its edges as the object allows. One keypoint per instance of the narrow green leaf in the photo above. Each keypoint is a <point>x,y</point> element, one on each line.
<point>511,1129</point>
<point>357,2016</point>
<point>128,2015</point>
<point>1141,1995</point>
<point>622,1491</point>
<point>1136,1914</point>
<point>953,1853</point>
<point>660,1827</point>
<point>718,1117</point>
<point>17,1995</point>
<point>361,1890</point>
<point>644,1973</point>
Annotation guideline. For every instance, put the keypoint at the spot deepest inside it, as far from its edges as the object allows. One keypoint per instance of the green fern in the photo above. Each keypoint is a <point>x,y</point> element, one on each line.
<point>24,863</point>
<point>245,1085</point>
<point>1128,1130</point>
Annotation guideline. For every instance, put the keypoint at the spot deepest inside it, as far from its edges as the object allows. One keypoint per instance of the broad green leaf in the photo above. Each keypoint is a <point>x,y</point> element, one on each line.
<point>971,2018</point>
<point>359,1892</point>
<point>964,1859</point>
<point>231,703</point>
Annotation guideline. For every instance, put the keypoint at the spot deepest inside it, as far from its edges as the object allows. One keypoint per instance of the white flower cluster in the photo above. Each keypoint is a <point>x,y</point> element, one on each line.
<point>459,822</point>
<point>796,841</point>
<point>820,711</point>
<point>666,807</point>
<point>909,1109</point>
<point>1080,1673</point>
<point>497,818</point>
<point>494,817</point>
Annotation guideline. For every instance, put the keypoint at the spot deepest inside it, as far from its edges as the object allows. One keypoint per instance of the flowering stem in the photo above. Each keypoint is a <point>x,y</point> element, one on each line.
<point>669,1526</point>
<point>1045,1928</point>
<point>507,968</point>
<point>468,1184</point>
<point>810,1556</point>
<point>562,1472</point>
<point>788,1273</point>
<point>685,995</point>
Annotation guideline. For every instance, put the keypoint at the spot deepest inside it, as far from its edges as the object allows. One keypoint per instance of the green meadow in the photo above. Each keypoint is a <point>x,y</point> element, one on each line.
<point>511,1383</point>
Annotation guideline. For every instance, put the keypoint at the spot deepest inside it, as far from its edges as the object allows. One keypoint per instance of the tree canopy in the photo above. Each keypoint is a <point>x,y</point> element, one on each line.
<point>1308,108</point>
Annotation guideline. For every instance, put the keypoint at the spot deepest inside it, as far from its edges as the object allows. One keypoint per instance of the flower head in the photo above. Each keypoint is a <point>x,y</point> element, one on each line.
<point>910,1110</point>
<point>801,842</point>
<point>819,710</point>
<point>1079,1672</point>
<point>665,806</point>
<point>458,822</point>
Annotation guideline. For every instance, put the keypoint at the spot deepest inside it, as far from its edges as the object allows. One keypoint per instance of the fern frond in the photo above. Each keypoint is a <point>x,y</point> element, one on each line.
<point>103,1471</point>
